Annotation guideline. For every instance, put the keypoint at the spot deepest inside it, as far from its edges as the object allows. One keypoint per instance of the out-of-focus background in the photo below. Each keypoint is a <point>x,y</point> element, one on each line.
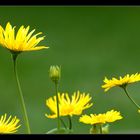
<point>89,43</point>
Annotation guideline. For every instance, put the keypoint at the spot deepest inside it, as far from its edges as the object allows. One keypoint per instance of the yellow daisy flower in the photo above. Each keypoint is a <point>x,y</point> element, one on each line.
<point>93,119</point>
<point>74,106</point>
<point>112,116</point>
<point>23,41</point>
<point>109,116</point>
<point>122,81</point>
<point>10,125</point>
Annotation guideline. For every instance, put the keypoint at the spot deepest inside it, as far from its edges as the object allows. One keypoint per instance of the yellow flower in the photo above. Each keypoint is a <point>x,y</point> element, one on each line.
<point>74,106</point>
<point>93,119</point>
<point>22,41</point>
<point>109,116</point>
<point>122,81</point>
<point>10,125</point>
<point>112,116</point>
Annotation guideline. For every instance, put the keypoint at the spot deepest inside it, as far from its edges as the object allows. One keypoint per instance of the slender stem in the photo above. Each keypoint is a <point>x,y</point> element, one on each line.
<point>70,122</point>
<point>14,57</point>
<point>63,122</point>
<point>101,132</point>
<point>131,98</point>
<point>57,102</point>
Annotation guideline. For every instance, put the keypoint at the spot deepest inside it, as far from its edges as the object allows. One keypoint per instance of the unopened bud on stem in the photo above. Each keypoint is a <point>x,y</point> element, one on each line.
<point>55,73</point>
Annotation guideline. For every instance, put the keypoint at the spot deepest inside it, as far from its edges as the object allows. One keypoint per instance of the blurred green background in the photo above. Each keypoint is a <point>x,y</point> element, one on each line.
<point>89,43</point>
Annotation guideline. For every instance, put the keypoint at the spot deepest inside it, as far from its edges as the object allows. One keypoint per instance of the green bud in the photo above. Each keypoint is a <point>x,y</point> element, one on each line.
<point>55,73</point>
<point>105,129</point>
<point>94,130</point>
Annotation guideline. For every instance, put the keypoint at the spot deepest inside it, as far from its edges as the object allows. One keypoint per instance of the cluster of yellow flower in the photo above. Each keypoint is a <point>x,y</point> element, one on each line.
<point>74,105</point>
<point>61,104</point>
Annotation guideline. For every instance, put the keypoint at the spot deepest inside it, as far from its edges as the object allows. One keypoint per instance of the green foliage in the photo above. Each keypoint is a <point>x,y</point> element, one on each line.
<point>61,131</point>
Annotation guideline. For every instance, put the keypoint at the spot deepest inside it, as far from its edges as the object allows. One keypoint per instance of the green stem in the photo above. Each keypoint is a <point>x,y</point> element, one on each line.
<point>14,57</point>
<point>131,98</point>
<point>57,102</point>
<point>70,122</point>
<point>63,122</point>
<point>101,132</point>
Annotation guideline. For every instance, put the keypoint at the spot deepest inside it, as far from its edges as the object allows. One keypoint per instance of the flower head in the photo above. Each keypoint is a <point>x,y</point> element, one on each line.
<point>74,106</point>
<point>9,125</point>
<point>122,81</point>
<point>93,119</point>
<point>23,41</point>
<point>112,116</point>
<point>109,116</point>
<point>55,73</point>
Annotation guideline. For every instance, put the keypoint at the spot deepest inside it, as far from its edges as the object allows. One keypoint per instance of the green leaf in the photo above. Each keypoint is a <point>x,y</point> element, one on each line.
<point>60,131</point>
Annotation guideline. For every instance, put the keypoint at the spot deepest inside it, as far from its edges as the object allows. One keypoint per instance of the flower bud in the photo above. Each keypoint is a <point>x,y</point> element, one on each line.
<point>55,73</point>
<point>94,130</point>
<point>105,129</point>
